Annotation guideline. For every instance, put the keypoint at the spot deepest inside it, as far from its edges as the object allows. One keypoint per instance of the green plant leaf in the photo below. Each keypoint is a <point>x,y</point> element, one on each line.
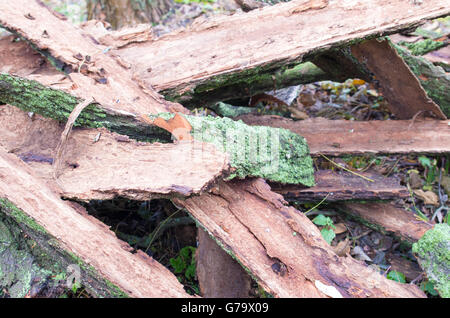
<point>178,264</point>
<point>396,276</point>
<point>425,161</point>
<point>321,220</point>
<point>328,235</point>
<point>428,287</point>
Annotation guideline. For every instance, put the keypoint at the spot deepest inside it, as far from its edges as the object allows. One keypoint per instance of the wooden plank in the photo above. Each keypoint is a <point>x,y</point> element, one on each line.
<point>337,137</point>
<point>406,97</point>
<point>93,71</point>
<point>389,219</point>
<point>282,249</point>
<point>73,231</point>
<point>216,52</point>
<point>98,164</point>
<point>342,185</point>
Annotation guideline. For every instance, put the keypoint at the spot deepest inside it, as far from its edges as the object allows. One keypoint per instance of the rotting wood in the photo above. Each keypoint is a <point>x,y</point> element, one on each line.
<point>337,137</point>
<point>388,219</point>
<point>399,86</point>
<point>342,185</point>
<point>219,275</point>
<point>243,46</point>
<point>249,221</point>
<point>74,234</point>
<point>101,165</point>
<point>93,71</point>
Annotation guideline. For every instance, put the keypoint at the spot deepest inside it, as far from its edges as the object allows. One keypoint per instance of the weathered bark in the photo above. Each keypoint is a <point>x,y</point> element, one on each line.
<point>67,235</point>
<point>388,219</point>
<point>94,71</point>
<point>101,165</point>
<point>120,13</point>
<point>219,275</point>
<point>217,53</point>
<point>337,137</point>
<point>341,186</point>
<point>281,248</point>
<point>406,98</point>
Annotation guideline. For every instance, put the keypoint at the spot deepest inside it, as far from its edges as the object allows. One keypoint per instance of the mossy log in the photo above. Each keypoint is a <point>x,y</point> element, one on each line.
<point>433,254</point>
<point>276,154</point>
<point>46,235</point>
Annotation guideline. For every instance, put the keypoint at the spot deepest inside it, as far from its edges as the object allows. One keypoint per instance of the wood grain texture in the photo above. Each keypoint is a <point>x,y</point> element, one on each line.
<point>138,275</point>
<point>281,247</point>
<point>337,137</point>
<point>113,165</point>
<point>342,185</point>
<point>389,219</point>
<point>210,51</point>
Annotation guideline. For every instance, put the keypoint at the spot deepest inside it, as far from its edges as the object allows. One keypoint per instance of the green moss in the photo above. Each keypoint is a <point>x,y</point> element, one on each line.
<point>271,153</point>
<point>227,110</point>
<point>433,254</point>
<point>422,47</point>
<point>29,253</point>
<point>32,96</point>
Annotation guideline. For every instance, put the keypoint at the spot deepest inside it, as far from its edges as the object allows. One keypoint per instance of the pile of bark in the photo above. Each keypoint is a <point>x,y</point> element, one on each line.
<point>122,90</point>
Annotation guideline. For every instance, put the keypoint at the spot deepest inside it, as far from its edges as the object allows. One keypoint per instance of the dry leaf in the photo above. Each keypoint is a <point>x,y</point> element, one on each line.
<point>342,248</point>
<point>340,228</point>
<point>428,197</point>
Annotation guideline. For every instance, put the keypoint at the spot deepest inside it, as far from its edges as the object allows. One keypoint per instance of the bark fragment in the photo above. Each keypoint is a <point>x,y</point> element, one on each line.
<point>249,221</point>
<point>337,137</point>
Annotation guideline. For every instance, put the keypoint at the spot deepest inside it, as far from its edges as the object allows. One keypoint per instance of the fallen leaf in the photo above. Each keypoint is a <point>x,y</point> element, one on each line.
<point>360,255</point>
<point>428,197</point>
<point>340,228</point>
<point>342,248</point>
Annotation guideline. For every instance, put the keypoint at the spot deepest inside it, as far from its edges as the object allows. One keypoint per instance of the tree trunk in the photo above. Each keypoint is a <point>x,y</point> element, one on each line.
<point>121,13</point>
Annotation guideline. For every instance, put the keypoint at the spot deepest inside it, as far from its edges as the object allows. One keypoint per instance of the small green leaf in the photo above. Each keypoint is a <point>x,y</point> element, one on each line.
<point>321,220</point>
<point>428,287</point>
<point>396,276</point>
<point>425,162</point>
<point>328,235</point>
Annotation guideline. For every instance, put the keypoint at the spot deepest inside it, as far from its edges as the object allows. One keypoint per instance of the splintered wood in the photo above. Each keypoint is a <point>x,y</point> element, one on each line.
<point>212,51</point>
<point>340,186</point>
<point>93,70</point>
<point>337,137</point>
<point>389,219</point>
<point>81,234</point>
<point>281,247</point>
<point>99,164</point>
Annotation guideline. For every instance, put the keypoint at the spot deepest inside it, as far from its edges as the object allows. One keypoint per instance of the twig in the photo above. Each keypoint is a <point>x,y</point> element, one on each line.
<point>65,134</point>
<point>339,166</point>
<point>159,227</point>
<point>317,204</point>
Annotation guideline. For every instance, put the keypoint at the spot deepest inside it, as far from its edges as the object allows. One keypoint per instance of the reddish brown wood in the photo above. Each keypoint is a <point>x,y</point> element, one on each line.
<point>138,275</point>
<point>281,247</point>
<point>342,185</point>
<point>337,137</point>
<point>101,165</point>
<point>389,219</point>
<point>219,275</point>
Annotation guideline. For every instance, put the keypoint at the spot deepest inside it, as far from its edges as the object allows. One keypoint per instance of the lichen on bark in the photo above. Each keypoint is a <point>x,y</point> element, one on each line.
<point>433,254</point>
<point>271,153</point>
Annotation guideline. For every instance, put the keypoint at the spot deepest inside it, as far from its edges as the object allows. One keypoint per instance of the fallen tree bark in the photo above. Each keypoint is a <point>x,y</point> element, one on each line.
<point>337,137</point>
<point>249,221</point>
<point>341,186</point>
<point>267,41</point>
<point>67,235</point>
